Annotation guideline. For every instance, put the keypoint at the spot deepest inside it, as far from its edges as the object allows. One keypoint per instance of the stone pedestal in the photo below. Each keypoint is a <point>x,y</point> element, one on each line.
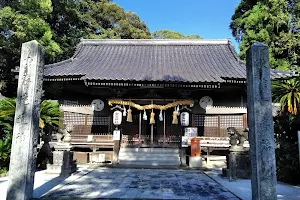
<point>63,162</point>
<point>183,156</point>
<point>238,165</point>
<point>195,162</point>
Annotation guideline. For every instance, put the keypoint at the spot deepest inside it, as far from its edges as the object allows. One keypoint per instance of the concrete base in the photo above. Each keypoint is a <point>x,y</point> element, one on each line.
<point>63,163</point>
<point>97,157</point>
<point>244,174</point>
<point>59,169</point>
<point>241,165</point>
<point>195,162</point>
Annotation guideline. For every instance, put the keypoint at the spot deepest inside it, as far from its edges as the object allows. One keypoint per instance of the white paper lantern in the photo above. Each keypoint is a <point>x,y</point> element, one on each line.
<point>117,118</point>
<point>185,118</point>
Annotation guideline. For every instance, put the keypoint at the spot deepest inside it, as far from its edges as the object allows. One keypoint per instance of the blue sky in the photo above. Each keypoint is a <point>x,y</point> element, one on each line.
<point>208,18</point>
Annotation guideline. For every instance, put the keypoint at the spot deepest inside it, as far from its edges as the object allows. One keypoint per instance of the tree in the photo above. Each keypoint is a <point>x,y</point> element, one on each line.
<point>17,27</point>
<point>58,25</point>
<point>168,34</point>
<point>287,161</point>
<point>50,114</point>
<point>272,22</point>
<point>287,92</point>
<point>50,118</point>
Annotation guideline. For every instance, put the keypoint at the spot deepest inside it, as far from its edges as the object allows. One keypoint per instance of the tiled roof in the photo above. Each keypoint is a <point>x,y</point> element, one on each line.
<point>190,61</point>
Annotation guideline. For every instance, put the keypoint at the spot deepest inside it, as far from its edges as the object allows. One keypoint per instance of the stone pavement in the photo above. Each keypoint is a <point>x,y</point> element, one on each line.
<point>142,184</point>
<point>242,187</point>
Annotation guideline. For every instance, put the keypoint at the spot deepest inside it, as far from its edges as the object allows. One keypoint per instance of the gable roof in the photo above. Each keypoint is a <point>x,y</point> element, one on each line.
<point>190,61</point>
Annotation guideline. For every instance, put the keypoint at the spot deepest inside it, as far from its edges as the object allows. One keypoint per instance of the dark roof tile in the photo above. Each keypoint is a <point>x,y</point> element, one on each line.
<point>154,60</point>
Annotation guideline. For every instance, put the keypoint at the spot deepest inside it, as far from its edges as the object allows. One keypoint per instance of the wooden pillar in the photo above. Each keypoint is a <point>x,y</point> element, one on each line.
<point>140,126</point>
<point>85,119</point>
<point>219,126</point>
<point>245,125</point>
<point>164,128</point>
<point>151,134</point>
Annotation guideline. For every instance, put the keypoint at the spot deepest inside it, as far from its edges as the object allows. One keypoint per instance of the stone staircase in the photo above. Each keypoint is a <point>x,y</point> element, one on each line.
<point>150,157</point>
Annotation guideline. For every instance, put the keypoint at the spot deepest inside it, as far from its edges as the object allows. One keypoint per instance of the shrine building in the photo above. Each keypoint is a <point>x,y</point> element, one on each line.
<point>152,91</point>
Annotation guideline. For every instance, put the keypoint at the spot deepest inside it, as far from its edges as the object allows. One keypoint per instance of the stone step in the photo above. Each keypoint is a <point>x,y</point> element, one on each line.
<point>152,150</point>
<point>125,154</point>
<point>150,163</point>
<point>150,158</point>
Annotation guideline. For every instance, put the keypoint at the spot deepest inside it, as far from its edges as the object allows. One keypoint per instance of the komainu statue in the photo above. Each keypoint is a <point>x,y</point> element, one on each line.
<point>236,139</point>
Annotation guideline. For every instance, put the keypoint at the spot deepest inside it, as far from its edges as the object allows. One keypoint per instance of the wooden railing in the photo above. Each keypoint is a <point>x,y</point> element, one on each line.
<point>145,140</point>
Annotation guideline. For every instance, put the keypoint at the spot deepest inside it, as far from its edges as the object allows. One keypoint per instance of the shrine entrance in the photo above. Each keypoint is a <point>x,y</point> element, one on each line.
<point>152,127</point>
<point>162,133</point>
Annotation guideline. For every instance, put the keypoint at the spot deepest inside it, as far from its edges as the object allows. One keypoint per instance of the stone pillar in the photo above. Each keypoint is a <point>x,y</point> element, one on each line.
<point>117,141</point>
<point>116,151</point>
<point>232,166</point>
<point>26,125</point>
<point>260,122</point>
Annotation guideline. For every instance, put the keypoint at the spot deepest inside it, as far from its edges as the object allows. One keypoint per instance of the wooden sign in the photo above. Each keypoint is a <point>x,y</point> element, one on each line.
<point>116,135</point>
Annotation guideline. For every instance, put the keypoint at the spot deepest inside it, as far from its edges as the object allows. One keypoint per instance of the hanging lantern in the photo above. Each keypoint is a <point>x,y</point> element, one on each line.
<point>129,115</point>
<point>144,115</point>
<point>175,119</point>
<point>117,118</point>
<point>161,118</point>
<point>124,111</point>
<point>152,120</point>
<point>185,119</point>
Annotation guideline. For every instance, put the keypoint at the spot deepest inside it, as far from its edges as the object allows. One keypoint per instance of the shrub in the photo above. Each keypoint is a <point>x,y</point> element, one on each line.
<point>5,148</point>
<point>287,157</point>
<point>50,118</point>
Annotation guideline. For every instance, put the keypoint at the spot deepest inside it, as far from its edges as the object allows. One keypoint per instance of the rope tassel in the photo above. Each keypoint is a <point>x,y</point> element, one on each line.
<point>152,120</point>
<point>129,115</point>
<point>175,119</point>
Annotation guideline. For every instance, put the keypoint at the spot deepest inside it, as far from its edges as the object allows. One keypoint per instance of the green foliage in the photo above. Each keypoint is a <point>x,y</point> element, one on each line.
<point>5,148</point>
<point>287,157</point>
<point>286,125</point>
<point>7,115</point>
<point>50,115</point>
<point>287,93</point>
<point>272,22</point>
<point>168,34</point>
<point>50,118</point>
<point>58,25</point>
<point>3,171</point>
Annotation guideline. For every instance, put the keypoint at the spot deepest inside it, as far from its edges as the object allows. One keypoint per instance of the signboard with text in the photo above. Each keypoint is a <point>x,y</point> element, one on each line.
<point>116,135</point>
<point>191,131</point>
